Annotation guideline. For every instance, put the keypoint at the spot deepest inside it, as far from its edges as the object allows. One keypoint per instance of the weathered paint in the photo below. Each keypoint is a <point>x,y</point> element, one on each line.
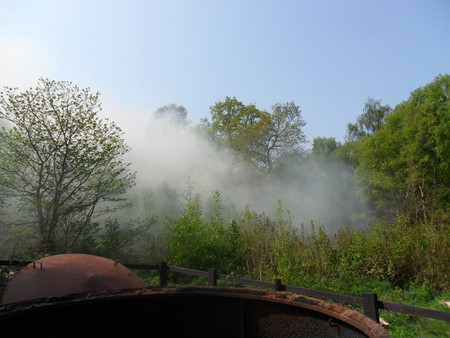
<point>68,274</point>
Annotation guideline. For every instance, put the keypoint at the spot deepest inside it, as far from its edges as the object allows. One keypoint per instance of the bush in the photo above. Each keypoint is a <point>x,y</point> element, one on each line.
<point>199,243</point>
<point>399,253</point>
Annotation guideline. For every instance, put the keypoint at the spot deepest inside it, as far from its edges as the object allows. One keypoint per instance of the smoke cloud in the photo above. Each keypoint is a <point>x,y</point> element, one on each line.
<point>171,160</point>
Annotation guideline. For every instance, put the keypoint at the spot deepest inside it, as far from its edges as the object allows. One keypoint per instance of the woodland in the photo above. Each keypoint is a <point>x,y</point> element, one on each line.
<point>66,186</point>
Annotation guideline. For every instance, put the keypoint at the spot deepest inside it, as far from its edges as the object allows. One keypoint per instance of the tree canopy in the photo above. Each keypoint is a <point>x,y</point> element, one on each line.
<point>172,114</point>
<point>369,121</point>
<point>406,162</point>
<point>60,162</point>
<point>324,148</point>
<point>256,135</point>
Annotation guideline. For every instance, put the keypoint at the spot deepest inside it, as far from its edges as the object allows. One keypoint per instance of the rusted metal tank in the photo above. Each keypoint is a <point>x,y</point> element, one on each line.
<point>185,312</point>
<point>88,296</point>
<point>68,274</point>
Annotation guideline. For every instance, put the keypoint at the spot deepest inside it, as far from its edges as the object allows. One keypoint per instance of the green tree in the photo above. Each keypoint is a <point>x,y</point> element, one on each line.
<point>369,121</point>
<point>63,164</point>
<point>200,241</point>
<point>278,133</point>
<point>406,163</point>
<point>257,136</point>
<point>225,118</point>
<point>324,148</point>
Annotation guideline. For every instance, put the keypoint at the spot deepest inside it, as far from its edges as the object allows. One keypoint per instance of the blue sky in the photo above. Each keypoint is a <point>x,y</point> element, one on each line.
<point>327,56</point>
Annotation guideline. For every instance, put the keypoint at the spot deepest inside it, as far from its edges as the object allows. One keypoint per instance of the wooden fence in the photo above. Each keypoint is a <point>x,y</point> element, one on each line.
<point>368,301</point>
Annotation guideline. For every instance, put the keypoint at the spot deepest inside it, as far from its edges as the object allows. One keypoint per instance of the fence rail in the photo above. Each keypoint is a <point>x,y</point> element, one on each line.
<point>368,301</point>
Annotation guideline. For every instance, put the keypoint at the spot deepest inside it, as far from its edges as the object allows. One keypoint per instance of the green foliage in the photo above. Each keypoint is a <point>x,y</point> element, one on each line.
<point>369,121</point>
<point>161,202</point>
<point>405,164</point>
<point>324,149</point>
<point>255,249</point>
<point>60,162</point>
<point>228,117</point>
<point>257,136</point>
<point>19,243</point>
<point>283,133</point>
<point>196,242</point>
<point>401,159</point>
<point>114,237</point>
<point>399,253</point>
<point>402,325</point>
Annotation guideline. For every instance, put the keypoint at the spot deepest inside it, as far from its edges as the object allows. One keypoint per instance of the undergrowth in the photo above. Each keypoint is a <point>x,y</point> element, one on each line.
<point>401,261</point>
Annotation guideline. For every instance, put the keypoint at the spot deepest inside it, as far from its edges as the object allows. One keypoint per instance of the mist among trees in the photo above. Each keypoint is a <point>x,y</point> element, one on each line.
<point>240,191</point>
<point>63,172</point>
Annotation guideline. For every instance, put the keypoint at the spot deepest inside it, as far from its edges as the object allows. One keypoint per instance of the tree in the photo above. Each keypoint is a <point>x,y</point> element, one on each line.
<point>324,148</point>
<point>231,123</point>
<point>173,114</point>
<point>406,163</point>
<point>225,117</point>
<point>278,133</point>
<point>257,136</point>
<point>200,241</point>
<point>230,119</point>
<point>369,121</point>
<point>62,163</point>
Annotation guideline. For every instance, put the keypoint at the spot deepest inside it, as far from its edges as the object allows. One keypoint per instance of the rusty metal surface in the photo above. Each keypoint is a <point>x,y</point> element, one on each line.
<point>187,311</point>
<point>68,274</point>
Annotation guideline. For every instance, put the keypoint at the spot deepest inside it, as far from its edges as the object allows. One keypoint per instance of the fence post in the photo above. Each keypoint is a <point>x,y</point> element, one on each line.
<point>163,274</point>
<point>278,285</point>
<point>370,305</point>
<point>212,277</point>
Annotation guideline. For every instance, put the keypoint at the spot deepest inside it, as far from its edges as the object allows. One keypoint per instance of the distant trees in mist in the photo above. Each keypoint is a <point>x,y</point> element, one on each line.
<point>393,161</point>
<point>173,114</point>
<point>237,192</point>
<point>257,136</point>
<point>396,161</point>
<point>62,173</point>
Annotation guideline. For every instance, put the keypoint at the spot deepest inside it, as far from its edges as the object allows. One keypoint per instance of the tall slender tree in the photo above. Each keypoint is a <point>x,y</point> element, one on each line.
<point>369,121</point>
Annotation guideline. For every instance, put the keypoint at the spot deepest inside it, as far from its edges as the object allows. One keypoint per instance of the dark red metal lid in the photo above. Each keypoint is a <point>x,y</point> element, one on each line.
<point>68,274</point>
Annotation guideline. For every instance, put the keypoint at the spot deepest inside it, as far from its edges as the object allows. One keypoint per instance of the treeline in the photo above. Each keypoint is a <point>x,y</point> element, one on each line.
<point>397,175</point>
<point>63,184</point>
<point>397,163</point>
<point>401,167</point>
<point>400,157</point>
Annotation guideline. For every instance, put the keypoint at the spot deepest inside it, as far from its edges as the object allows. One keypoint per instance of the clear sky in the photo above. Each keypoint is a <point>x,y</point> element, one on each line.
<point>328,56</point>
